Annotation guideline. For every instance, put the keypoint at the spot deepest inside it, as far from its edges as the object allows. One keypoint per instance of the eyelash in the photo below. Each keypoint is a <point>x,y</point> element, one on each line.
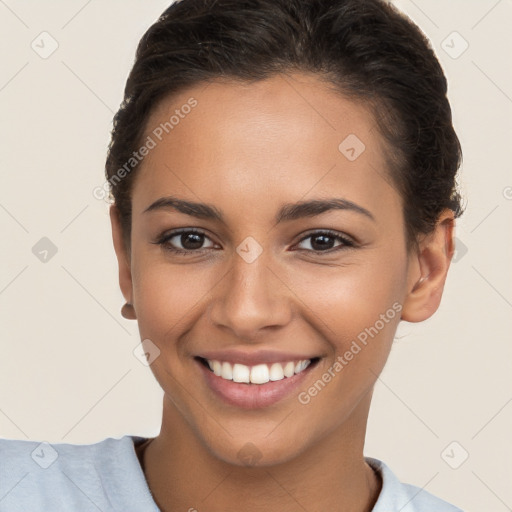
<point>164,241</point>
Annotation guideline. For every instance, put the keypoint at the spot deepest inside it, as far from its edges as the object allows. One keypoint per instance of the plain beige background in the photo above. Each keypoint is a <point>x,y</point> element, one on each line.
<point>68,371</point>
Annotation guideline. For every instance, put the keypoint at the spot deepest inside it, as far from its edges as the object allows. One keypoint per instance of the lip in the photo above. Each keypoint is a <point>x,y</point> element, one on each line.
<point>255,357</point>
<point>253,396</point>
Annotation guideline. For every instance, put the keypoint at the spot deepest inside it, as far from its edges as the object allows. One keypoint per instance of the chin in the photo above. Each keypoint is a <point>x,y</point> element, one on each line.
<point>251,452</point>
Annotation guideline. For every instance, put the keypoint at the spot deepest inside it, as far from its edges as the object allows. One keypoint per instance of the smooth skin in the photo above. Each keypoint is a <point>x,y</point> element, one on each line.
<point>247,149</point>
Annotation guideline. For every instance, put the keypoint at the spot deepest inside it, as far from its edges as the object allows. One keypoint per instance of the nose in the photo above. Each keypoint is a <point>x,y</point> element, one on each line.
<point>251,299</point>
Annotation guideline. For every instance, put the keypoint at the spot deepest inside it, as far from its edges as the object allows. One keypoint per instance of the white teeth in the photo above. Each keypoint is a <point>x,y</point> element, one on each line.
<point>258,374</point>
<point>226,372</point>
<point>241,373</point>
<point>217,368</point>
<point>276,372</point>
<point>302,365</point>
<point>289,369</point>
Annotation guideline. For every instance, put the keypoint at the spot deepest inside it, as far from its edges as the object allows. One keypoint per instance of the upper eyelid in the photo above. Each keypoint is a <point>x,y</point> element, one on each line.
<point>330,232</point>
<point>166,235</point>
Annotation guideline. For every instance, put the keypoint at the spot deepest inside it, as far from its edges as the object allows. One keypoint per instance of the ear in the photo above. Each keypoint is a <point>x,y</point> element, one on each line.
<point>123,257</point>
<point>428,268</point>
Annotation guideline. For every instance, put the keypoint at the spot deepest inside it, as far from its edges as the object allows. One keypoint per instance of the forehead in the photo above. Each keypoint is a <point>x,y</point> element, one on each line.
<point>289,134</point>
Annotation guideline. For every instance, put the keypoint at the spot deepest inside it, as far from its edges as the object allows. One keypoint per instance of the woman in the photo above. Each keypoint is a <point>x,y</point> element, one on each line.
<point>283,175</point>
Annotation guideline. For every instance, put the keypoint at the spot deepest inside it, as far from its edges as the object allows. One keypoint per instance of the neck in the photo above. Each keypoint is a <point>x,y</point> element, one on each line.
<point>184,475</point>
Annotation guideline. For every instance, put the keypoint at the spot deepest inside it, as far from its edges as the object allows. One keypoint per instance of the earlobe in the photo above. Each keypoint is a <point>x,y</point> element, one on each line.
<point>128,312</point>
<point>428,269</point>
<point>123,259</point>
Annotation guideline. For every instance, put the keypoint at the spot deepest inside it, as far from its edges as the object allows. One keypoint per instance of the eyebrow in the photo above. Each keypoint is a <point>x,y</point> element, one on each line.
<point>288,212</point>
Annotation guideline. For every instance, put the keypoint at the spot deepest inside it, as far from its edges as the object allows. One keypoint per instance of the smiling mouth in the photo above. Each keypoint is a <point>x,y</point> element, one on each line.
<point>257,374</point>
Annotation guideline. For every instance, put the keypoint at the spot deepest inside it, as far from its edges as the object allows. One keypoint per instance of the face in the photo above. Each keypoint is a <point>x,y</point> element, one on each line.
<point>293,249</point>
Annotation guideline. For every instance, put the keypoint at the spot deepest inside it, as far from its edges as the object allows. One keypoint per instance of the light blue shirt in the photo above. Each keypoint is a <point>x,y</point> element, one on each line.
<point>107,477</point>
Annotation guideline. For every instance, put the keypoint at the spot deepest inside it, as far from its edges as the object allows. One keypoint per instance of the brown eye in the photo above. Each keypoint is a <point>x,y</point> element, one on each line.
<point>191,241</point>
<point>323,241</point>
<point>185,241</point>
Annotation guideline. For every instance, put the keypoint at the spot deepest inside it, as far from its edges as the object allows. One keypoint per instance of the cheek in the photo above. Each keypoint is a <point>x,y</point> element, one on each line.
<point>357,314</point>
<point>345,301</point>
<point>356,308</point>
<point>166,296</point>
